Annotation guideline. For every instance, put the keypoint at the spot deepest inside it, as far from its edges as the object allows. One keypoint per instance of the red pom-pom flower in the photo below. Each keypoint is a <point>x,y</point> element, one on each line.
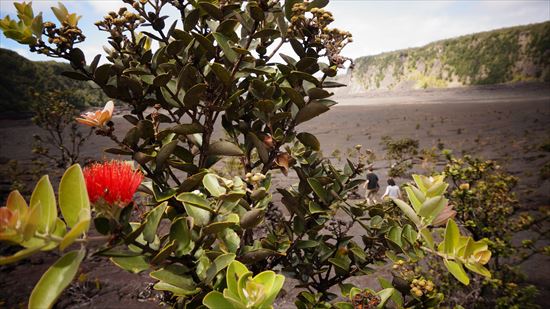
<point>114,182</point>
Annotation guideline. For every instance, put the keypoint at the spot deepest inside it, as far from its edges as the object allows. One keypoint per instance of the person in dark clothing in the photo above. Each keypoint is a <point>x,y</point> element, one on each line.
<point>372,187</point>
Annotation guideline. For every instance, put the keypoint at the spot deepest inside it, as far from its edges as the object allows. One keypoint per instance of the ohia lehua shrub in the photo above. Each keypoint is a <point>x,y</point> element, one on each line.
<point>209,239</point>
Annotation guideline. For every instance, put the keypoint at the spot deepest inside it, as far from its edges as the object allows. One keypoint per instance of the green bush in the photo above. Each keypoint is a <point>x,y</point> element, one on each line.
<point>215,65</point>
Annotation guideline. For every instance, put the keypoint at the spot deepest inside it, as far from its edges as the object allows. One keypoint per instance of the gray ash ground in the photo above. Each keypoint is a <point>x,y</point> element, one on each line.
<point>504,123</point>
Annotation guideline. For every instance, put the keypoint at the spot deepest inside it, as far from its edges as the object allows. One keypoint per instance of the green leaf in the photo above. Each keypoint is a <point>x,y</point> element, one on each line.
<point>431,205</point>
<point>310,111</point>
<point>148,78</point>
<point>210,182</point>
<point>77,58</point>
<point>318,93</point>
<point>191,20</point>
<point>420,181</point>
<point>317,4</point>
<point>117,151</point>
<point>359,253</point>
<point>133,264</point>
<point>306,64</point>
<point>165,152</point>
<point>437,189</point>
<point>266,33</point>
<point>80,228</point>
<point>272,283</point>
<point>176,291</point>
<point>73,196</point>
<point>21,254</point>
<point>102,225</point>
<point>175,275</point>
<point>219,264</point>
<point>291,61</point>
<point>205,43</point>
<point>200,216</point>
<point>385,295</point>
<point>75,75</point>
<point>179,231</point>
<point>194,200</point>
<point>457,271</point>
<point>152,222</point>
<point>231,240</point>
<point>302,76</point>
<point>260,147</point>
<point>396,296</point>
<point>60,231</point>
<point>222,73</point>
<point>395,235</point>
<point>252,218</point>
<point>146,129</point>
<point>318,188</point>
<point>60,12</point>
<point>16,202</point>
<point>343,305</point>
<point>164,252</point>
<point>257,255</point>
<point>216,300</point>
<point>256,12</point>
<point>478,268</point>
<point>43,198</point>
<point>294,96</point>
<point>102,74</point>
<point>451,240</point>
<point>192,96</point>
<point>416,197</point>
<point>161,196</point>
<point>427,236</point>
<point>191,182</point>
<point>288,7</point>
<point>304,244</point>
<point>94,63</point>
<point>225,148</point>
<point>223,42</point>
<point>37,25</point>
<point>235,270</point>
<point>162,79</point>
<point>213,10</point>
<point>309,140</point>
<point>341,262</point>
<point>56,279</point>
<point>409,212</point>
<point>187,128</point>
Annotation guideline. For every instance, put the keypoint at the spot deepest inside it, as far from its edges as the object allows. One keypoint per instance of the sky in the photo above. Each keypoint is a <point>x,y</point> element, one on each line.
<point>377,26</point>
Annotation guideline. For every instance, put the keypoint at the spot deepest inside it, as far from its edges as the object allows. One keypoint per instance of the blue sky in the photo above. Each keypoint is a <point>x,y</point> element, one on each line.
<point>377,26</point>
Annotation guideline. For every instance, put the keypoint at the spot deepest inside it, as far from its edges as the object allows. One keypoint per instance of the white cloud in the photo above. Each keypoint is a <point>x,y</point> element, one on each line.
<point>377,26</point>
<point>104,6</point>
<point>380,26</point>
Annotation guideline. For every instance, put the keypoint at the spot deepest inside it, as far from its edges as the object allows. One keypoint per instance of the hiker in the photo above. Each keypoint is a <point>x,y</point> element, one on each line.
<point>392,190</point>
<point>372,186</point>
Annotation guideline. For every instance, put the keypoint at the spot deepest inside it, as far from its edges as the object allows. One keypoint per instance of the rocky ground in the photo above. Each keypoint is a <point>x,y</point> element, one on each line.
<point>504,123</point>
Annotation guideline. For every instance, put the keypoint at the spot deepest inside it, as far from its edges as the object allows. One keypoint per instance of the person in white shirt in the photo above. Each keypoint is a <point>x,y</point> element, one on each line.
<point>392,190</point>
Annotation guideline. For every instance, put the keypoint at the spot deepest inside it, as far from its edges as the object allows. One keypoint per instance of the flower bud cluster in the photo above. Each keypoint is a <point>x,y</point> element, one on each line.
<point>254,178</point>
<point>312,25</point>
<point>420,287</point>
<point>64,37</point>
<point>136,3</point>
<point>315,22</point>
<point>116,23</point>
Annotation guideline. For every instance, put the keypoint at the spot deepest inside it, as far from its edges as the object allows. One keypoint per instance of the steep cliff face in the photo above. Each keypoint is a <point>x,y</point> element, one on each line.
<point>501,56</point>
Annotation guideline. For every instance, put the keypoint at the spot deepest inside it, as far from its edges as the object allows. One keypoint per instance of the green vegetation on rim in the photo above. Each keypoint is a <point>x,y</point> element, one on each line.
<point>500,56</point>
<point>20,77</point>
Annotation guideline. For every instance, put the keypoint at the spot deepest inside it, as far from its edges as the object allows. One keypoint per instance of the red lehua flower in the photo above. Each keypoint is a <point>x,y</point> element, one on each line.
<point>115,182</point>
